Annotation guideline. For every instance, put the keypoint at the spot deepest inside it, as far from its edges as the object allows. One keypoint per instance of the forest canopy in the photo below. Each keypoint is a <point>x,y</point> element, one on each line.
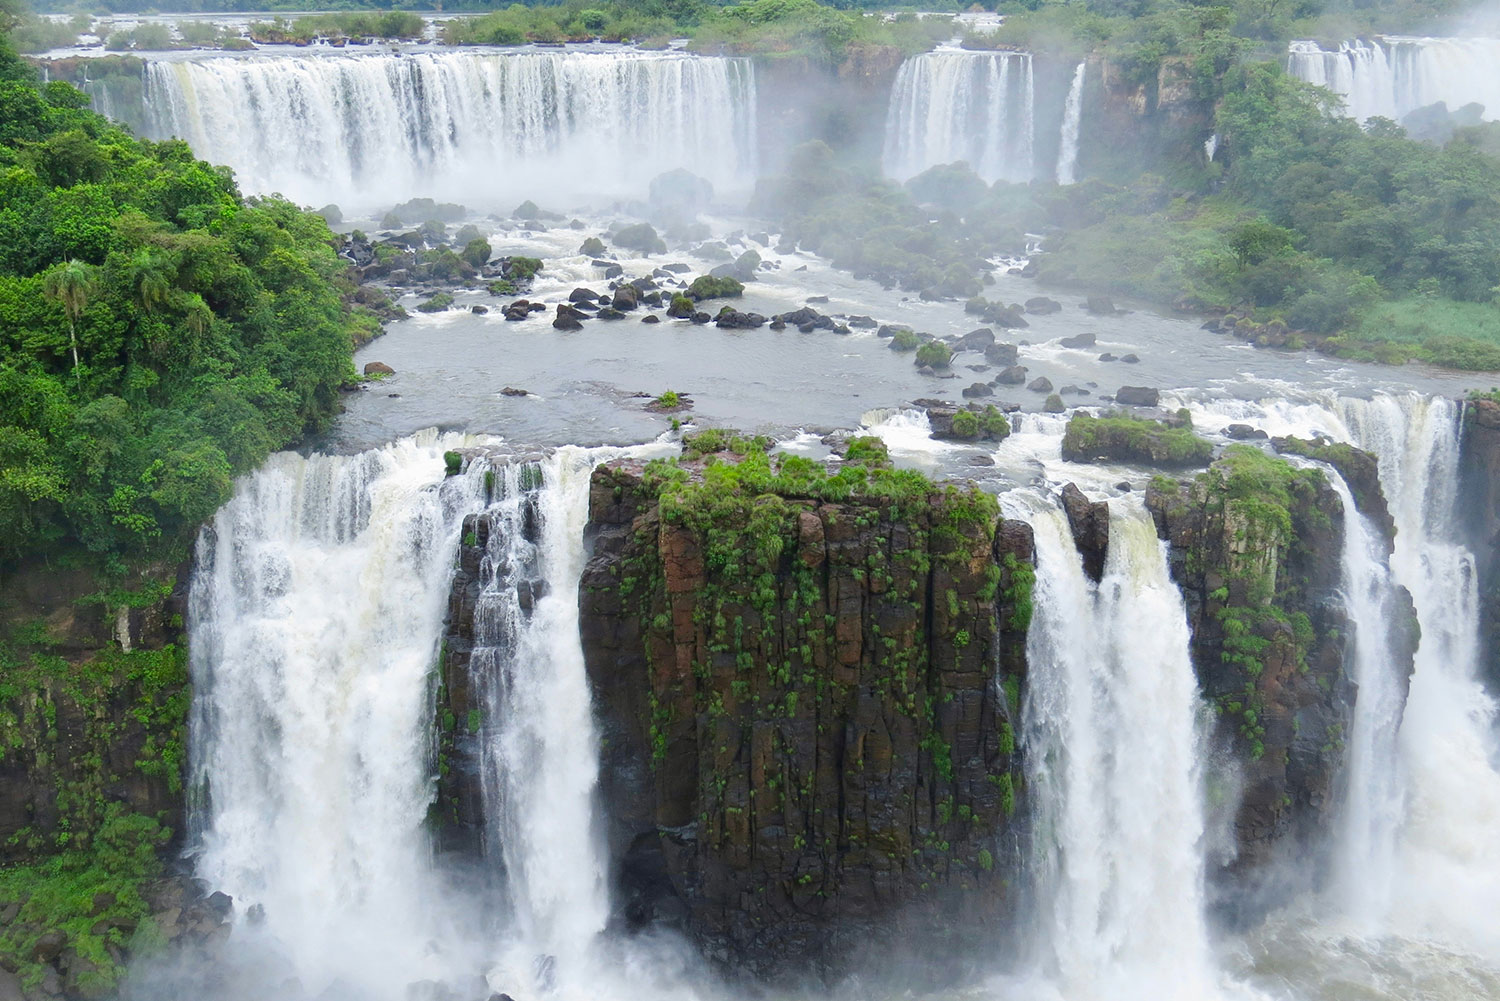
<point>159,333</point>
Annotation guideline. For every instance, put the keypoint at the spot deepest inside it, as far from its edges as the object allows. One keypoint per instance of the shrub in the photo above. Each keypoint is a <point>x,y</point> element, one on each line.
<point>935,354</point>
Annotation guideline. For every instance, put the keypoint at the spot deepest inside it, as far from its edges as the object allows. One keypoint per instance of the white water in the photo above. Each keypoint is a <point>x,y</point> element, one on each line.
<point>315,617</point>
<point>540,746</point>
<point>482,128</point>
<point>1067,151</point>
<point>1111,728</point>
<point>1393,76</point>
<point>1437,876</point>
<point>1372,805</point>
<point>953,104</point>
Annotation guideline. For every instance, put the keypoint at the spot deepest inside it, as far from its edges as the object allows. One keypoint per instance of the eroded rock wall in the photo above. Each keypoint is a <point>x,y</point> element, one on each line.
<point>808,722</point>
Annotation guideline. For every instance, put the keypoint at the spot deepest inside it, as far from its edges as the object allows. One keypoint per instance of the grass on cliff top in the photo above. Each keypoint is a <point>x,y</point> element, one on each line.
<point>1260,486</point>
<point>722,486</point>
<point>1132,439</point>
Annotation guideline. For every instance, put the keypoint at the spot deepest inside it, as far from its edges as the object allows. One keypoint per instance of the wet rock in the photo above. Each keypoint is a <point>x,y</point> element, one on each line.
<point>1099,305</point>
<point>1089,521</point>
<point>479,310</point>
<point>627,297</point>
<point>1042,306</point>
<point>48,946</point>
<point>891,330</point>
<point>1244,432</point>
<point>1106,356</point>
<point>733,319</point>
<point>610,313</point>
<point>862,322</point>
<point>1083,340</point>
<point>378,368</point>
<point>1073,391</point>
<point>977,340</point>
<point>585,295</point>
<point>1123,486</point>
<point>1003,355</point>
<point>513,391</point>
<point>566,321</point>
<point>1015,375</point>
<point>1138,396</point>
<point>1054,405</point>
<point>817,300</point>
<point>650,318</point>
<point>1041,384</point>
<point>677,268</point>
<point>980,459</point>
<point>978,389</point>
<point>1130,359</point>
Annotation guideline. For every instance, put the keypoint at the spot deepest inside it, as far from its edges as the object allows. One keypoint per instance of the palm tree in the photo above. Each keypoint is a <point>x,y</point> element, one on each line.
<point>150,278</point>
<point>71,285</point>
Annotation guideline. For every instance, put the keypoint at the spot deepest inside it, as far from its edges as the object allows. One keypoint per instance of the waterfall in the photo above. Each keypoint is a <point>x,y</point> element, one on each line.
<point>540,747</point>
<point>1448,859</point>
<point>1067,151</point>
<point>476,127</point>
<point>1372,805</point>
<point>315,616</point>
<point>953,104</point>
<point>1111,728</point>
<point>1436,865</point>
<point>1393,76</point>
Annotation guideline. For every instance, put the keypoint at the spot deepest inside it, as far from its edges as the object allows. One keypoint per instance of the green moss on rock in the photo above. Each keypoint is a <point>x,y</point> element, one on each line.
<point>1119,438</point>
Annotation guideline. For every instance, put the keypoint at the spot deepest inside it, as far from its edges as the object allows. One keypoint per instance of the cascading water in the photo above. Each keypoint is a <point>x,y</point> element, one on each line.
<point>1393,76</point>
<point>1372,806</point>
<point>1067,151</point>
<point>953,104</point>
<point>1448,859</point>
<point>1111,725</point>
<point>476,127</point>
<point>315,617</point>
<point>1436,865</point>
<point>541,760</point>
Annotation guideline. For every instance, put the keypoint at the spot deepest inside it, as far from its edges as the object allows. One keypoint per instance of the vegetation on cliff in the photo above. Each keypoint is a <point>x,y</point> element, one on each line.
<point>158,332</point>
<point>1123,438</point>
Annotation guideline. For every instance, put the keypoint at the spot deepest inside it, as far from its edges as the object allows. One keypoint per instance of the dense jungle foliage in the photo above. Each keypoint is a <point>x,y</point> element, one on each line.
<point>159,333</point>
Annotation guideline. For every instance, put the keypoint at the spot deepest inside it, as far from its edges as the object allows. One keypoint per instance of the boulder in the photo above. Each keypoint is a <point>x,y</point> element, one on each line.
<point>1244,432</point>
<point>1003,355</point>
<point>1130,359</point>
<point>1041,384</point>
<point>977,340</point>
<point>1089,521</point>
<point>567,319</point>
<point>978,389</point>
<point>1042,306</point>
<point>378,368</point>
<point>1099,305</point>
<point>1083,340</point>
<point>583,295</point>
<point>862,322</point>
<point>627,297</point>
<point>1014,375</point>
<point>1138,396</point>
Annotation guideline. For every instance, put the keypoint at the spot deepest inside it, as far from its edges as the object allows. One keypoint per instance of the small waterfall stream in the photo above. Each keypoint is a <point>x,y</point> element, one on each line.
<point>1067,153</point>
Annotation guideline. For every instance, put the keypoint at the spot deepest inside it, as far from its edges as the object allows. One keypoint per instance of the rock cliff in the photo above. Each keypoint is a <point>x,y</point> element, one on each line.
<point>808,707</point>
<point>1256,547</point>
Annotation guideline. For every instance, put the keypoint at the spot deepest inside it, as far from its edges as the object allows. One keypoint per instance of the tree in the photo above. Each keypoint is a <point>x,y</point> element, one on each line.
<point>72,285</point>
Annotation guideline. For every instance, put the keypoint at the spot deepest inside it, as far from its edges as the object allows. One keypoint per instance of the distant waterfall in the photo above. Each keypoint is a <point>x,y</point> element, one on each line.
<point>315,617</point>
<point>1119,799</point>
<point>1067,151</point>
<point>1392,76</point>
<point>954,104</point>
<point>477,127</point>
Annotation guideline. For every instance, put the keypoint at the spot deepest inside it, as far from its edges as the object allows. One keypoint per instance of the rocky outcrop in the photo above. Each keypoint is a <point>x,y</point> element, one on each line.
<point>1479,494</point>
<point>1256,547</point>
<point>1089,521</point>
<point>808,713</point>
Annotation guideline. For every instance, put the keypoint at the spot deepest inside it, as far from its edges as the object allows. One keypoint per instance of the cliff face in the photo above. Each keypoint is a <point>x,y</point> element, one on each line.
<point>93,711</point>
<point>1480,493</point>
<point>1257,550</point>
<point>808,713</point>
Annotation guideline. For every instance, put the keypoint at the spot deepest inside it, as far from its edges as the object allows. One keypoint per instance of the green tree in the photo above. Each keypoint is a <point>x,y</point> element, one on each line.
<point>71,285</point>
